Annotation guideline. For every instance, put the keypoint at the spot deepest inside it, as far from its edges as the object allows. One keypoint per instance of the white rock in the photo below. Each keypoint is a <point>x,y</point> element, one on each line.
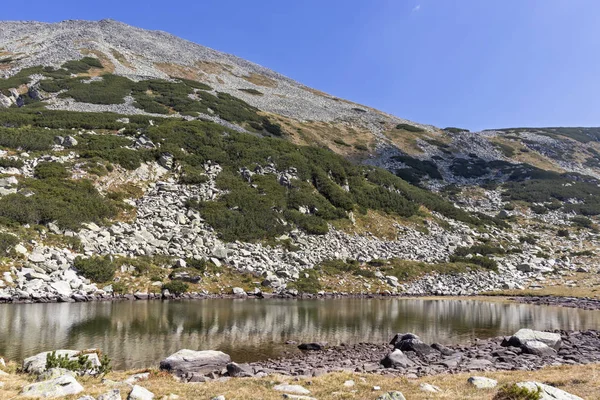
<point>297,389</point>
<point>548,392</point>
<point>427,387</point>
<point>114,394</point>
<point>140,393</point>
<point>62,386</point>
<point>481,382</point>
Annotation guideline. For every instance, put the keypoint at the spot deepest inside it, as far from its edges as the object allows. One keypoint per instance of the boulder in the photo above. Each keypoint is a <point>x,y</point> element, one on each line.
<point>70,141</point>
<point>402,336</point>
<point>548,392</point>
<point>415,345</point>
<point>204,362</point>
<point>239,291</point>
<point>239,370</point>
<point>538,348</point>
<point>429,388</point>
<point>37,364</point>
<point>140,393</point>
<point>59,387</point>
<point>523,336</point>
<point>114,394</point>
<point>296,389</point>
<point>481,382</point>
<point>312,346</point>
<point>392,396</point>
<point>397,359</point>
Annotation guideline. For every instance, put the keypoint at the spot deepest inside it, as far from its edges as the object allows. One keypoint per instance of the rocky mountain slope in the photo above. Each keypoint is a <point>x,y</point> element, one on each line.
<point>135,161</point>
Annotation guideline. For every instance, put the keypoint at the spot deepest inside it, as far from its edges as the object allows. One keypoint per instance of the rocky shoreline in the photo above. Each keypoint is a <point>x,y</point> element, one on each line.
<point>407,355</point>
<point>584,303</point>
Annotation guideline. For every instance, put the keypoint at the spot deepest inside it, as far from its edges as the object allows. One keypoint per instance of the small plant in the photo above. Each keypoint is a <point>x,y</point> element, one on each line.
<point>176,287</point>
<point>514,392</point>
<point>82,364</point>
<point>7,242</point>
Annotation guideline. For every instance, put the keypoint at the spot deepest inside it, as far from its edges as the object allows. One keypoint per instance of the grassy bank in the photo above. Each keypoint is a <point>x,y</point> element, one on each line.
<point>578,380</point>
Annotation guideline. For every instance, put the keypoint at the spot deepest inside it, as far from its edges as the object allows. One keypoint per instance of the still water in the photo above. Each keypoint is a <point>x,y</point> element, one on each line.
<point>139,334</point>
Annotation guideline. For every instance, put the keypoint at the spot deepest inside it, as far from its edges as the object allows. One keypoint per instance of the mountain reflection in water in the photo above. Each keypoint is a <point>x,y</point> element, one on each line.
<point>139,334</point>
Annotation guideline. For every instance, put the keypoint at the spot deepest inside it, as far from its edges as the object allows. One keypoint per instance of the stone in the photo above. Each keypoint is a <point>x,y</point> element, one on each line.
<point>218,398</point>
<point>402,336</point>
<point>238,291</point>
<point>86,397</point>
<point>54,373</point>
<point>239,370</point>
<point>296,389</point>
<point>114,394</point>
<point>349,383</point>
<point>20,249</point>
<point>522,336</point>
<point>185,361</point>
<point>429,388</point>
<point>36,258</point>
<point>137,377</point>
<point>312,346</point>
<point>397,359</point>
<point>60,387</point>
<point>70,141</point>
<point>538,348</point>
<point>392,396</point>
<point>62,288</point>
<point>415,345</point>
<point>37,364</point>
<point>481,382</point>
<point>548,392</point>
<point>140,393</point>
<point>297,397</point>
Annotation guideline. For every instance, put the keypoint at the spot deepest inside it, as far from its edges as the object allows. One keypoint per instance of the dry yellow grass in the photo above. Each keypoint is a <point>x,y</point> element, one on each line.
<point>260,80</point>
<point>180,71</point>
<point>109,67</point>
<point>578,380</point>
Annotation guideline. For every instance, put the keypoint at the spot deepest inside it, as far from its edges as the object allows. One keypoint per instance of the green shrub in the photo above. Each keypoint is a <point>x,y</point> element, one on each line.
<point>82,364</point>
<point>176,288</point>
<point>48,170</point>
<point>514,392</point>
<point>481,249</point>
<point>97,269</point>
<point>11,163</point>
<point>410,128</point>
<point>361,147</point>
<point>28,139</point>
<point>562,233</point>
<point>582,222</point>
<point>537,209</point>
<point>455,130</point>
<point>7,242</point>
<point>482,261</point>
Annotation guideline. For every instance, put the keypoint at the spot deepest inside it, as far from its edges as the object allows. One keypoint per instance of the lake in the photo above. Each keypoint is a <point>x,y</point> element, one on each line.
<point>138,334</point>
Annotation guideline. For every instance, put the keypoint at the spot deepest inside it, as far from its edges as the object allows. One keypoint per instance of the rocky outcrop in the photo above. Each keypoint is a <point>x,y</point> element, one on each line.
<point>189,362</point>
<point>548,392</point>
<point>62,386</point>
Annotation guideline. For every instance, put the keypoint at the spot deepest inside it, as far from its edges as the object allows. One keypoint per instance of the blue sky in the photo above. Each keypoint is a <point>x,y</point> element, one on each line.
<point>469,63</point>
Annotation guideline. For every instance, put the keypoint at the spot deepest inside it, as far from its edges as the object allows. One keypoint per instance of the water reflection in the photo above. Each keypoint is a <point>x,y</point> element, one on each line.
<point>139,334</point>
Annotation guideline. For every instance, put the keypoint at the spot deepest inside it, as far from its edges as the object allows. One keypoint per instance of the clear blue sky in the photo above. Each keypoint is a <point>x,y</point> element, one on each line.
<point>469,63</point>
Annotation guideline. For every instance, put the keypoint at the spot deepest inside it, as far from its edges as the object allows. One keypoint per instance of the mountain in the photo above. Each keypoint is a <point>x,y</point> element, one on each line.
<point>138,158</point>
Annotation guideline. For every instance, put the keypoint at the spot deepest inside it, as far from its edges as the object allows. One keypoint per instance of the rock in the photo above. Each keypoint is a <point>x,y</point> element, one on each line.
<point>349,383</point>
<point>69,141</point>
<point>297,389</point>
<point>62,386</point>
<point>36,258</point>
<point>427,387</point>
<point>204,362</point>
<point>415,345</point>
<point>62,288</point>
<point>523,336</point>
<point>37,364</point>
<point>397,359</point>
<point>20,249</point>
<point>548,392</point>
<point>239,370</point>
<point>54,373</point>
<point>166,161</point>
<point>312,346</point>
<point>220,252</point>
<point>137,377</point>
<point>481,382</point>
<point>218,398</point>
<point>402,336</point>
<point>239,291</point>
<point>297,397</point>
<point>538,348</point>
<point>140,393</point>
<point>114,394</point>
<point>392,396</point>
<point>87,398</point>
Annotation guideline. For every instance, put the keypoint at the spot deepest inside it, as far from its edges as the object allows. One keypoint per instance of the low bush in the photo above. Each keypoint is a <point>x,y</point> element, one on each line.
<point>176,288</point>
<point>410,128</point>
<point>11,163</point>
<point>7,242</point>
<point>97,269</point>
<point>48,170</point>
<point>514,392</point>
<point>582,222</point>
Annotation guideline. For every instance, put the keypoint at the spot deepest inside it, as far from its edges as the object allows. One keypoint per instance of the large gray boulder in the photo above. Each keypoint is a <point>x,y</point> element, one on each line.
<point>37,364</point>
<point>140,393</point>
<point>548,392</point>
<point>59,387</point>
<point>538,348</point>
<point>203,362</point>
<point>397,359</point>
<point>523,336</point>
<point>481,382</point>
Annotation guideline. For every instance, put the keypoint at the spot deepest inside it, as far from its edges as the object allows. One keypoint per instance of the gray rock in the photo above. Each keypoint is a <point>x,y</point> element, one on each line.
<point>37,364</point>
<point>86,397</point>
<point>36,258</point>
<point>548,392</point>
<point>392,396</point>
<point>218,398</point>
<point>523,336</point>
<point>538,348</point>
<point>296,389</point>
<point>481,382</point>
<point>427,387</point>
<point>140,393</point>
<point>54,373</point>
<point>297,397</point>
<point>70,141</point>
<point>137,377</point>
<point>239,291</point>
<point>397,359</point>
<point>204,362</point>
<point>114,394</point>
<point>239,370</point>
<point>62,386</point>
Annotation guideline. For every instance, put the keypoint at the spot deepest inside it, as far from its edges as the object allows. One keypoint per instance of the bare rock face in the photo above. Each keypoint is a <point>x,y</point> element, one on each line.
<point>190,361</point>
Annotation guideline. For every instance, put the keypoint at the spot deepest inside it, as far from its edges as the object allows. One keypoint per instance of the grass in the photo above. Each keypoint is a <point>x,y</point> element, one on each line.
<point>577,380</point>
